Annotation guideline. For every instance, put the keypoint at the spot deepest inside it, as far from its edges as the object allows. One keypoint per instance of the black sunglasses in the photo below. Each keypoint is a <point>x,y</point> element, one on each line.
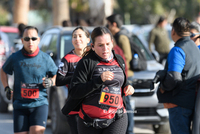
<point>28,38</point>
<point>193,34</point>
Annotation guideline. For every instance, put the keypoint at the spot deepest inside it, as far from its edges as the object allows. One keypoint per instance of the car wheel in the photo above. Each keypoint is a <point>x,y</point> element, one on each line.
<point>59,123</point>
<point>3,105</point>
<point>162,128</point>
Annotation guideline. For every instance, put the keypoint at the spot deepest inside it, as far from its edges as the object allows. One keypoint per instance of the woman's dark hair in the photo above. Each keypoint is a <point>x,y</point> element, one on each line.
<point>83,29</point>
<point>98,31</point>
<point>181,26</point>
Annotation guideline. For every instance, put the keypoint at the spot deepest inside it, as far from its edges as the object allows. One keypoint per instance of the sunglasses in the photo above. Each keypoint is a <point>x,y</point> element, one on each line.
<point>27,38</point>
<point>193,34</point>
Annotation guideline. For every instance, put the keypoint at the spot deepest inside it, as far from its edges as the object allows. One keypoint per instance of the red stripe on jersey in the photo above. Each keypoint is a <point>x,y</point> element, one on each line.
<point>110,63</point>
<point>73,112</point>
<point>96,112</point>
<point>72,58</point>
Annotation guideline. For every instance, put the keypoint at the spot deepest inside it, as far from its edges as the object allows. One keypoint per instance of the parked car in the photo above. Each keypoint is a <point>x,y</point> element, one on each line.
<point>145,102</point>
<point>56,41</point>
<point>8,34</point>
<point>12,33</point>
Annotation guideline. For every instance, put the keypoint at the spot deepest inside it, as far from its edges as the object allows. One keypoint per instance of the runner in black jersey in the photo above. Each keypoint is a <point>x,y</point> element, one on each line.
<point>80,39</point>
<point>98,88</point>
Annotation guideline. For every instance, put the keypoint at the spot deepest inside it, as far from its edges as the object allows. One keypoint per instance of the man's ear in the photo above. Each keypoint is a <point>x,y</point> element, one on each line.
<point>173,32</point>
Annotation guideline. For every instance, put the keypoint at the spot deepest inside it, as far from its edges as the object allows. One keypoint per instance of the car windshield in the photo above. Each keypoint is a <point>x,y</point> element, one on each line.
<point>65,44</point>
<point>143,49</point>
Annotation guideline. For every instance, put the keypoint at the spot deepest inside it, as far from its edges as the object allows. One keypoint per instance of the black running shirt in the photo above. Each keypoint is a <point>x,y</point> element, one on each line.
<point>100,104</point>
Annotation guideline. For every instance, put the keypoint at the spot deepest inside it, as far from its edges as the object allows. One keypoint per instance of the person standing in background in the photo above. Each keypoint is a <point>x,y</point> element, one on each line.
<point>66,23</point>
<point>195,36</point>
<point>198,19</point>
<point>119,51</point>
<point>114,23</point>
<point>2,52</point>
<point>195,33</point>
<point>17,42</point>
<point>179,78</point>
<point>80,39</point>
<point>159,37</point>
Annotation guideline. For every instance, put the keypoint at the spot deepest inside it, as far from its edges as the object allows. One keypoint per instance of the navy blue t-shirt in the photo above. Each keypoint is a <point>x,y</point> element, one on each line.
<point>29,70</point>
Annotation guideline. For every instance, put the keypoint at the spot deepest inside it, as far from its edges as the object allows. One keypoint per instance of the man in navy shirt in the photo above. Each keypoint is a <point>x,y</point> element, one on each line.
<point>34,71</point>
<point>178,80</point>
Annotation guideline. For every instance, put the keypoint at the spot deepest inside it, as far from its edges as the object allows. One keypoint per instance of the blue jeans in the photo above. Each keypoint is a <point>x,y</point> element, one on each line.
<point>130,116</point>
<point>180,120</point>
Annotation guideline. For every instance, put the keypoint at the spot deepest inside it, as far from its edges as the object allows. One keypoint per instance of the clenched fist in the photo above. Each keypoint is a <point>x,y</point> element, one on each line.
<point>128,90</point>
<point>107,75</point>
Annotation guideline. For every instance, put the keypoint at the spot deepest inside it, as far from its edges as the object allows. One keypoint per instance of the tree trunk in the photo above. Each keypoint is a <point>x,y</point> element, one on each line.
<point>100,9</point>
<point>60,11</point>
<point>21,9</point>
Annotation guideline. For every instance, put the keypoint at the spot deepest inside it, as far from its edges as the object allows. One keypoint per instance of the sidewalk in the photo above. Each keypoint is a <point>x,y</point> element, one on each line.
<point>143,129</point>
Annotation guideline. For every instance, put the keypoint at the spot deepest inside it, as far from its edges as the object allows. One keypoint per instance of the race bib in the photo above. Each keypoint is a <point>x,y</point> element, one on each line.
<point>110,96</point>
<point>30,91</point>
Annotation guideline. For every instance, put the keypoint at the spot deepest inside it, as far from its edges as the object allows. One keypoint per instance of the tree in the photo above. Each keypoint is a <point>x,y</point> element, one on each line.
<point>21,8</point>
<point>146,11</point>
<point>60,11</point>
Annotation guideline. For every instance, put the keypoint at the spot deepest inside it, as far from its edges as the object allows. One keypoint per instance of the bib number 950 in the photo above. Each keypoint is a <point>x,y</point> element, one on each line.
<point>110,99</point>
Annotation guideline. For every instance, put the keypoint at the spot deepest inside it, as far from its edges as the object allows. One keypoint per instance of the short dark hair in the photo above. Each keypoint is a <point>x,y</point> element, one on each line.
<point>83,29</point>
<point>181,25</point>
<point>195,25</point>
<point>66,23</point>
<point>117,18</point>
<point>30,27</point>
<point>161,19</point>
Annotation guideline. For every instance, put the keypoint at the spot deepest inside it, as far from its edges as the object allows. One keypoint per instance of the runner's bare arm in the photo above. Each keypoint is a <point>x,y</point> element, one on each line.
<point>4,78</point>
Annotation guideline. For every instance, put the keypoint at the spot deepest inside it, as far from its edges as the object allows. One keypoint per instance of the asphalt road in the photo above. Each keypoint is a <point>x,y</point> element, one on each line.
<point>6,125</point>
